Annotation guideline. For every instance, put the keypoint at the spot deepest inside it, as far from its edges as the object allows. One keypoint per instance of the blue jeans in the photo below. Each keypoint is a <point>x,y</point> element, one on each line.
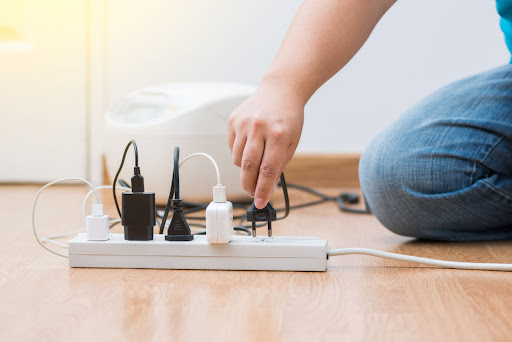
<point>443,171</point>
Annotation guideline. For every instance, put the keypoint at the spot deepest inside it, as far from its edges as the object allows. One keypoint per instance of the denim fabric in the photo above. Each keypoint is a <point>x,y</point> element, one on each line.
<point>443,171</point>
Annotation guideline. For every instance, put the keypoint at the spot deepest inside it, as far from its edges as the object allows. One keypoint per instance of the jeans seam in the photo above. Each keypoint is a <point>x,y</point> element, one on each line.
<point>496,189</point>
<point>483,160</point>
<point>472,174</point>
<point>491,149</point>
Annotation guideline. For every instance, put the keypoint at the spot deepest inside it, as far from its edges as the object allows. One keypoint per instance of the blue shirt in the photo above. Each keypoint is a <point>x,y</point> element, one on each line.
<point>505,11</point>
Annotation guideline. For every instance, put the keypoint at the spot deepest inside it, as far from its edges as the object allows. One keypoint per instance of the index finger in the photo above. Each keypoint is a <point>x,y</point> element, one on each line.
<point>273,157</point>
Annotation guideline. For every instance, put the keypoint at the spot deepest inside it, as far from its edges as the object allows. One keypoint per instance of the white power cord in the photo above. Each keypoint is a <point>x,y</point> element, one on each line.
<point>84,205</point>
<point>424,261</point>
<point>190,156</point>
<point>209,158</point>
<point>219,191</point>
<point>50,239</point>
<point>35,204</point>
<point>58,236</point>
<point>102,187</point>
<point>219,213</point>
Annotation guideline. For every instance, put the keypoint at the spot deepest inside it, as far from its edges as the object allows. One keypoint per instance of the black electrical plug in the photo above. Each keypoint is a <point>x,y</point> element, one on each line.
<point>267,214</point>
<point>179,229</point>
<point>137,180</point>
<point>138,214</point>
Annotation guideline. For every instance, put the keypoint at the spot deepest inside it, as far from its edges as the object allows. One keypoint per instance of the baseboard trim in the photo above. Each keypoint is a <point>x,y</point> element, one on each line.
<point>324,170</point>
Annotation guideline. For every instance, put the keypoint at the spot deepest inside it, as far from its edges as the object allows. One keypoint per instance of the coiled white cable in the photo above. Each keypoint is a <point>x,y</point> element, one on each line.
<point>84,204</point>
<point>35,204</point>
<point>424,261</point>
<point>84,214</point>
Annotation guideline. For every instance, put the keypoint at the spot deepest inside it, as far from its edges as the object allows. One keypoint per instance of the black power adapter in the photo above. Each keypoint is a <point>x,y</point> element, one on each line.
<point>138,213</point>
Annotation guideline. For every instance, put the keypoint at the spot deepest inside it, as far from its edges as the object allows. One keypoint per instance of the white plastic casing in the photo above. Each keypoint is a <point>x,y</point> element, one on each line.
<point>219,193</point>
<point>278,253</point>
<point>193,116</point>
<point>97,225</point>
<point>219,222</point>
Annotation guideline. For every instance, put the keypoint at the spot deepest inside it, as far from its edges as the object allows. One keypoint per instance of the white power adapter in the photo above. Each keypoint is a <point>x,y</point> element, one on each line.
<point>219,218</point>
<point>97,225</point>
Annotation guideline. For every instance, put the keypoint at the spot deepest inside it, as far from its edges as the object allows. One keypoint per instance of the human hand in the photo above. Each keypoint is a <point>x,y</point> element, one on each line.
<point>263,134</point>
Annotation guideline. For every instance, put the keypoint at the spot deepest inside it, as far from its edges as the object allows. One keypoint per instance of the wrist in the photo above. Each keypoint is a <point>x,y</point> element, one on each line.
<point>287,85</point>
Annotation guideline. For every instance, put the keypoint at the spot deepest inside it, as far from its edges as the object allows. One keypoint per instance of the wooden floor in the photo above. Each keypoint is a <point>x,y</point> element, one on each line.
<point>359,298</point>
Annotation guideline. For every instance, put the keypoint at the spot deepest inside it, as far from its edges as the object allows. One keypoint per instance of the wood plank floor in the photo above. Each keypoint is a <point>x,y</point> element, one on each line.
<point>359,298</point>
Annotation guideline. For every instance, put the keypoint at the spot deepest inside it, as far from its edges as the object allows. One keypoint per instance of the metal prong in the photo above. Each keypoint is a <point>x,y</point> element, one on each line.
<point>269,229</point>
<point>254,229</point>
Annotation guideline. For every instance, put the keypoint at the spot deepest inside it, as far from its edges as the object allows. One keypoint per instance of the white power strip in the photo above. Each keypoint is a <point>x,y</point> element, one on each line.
<point>278,253</point>
<point>243,253</point>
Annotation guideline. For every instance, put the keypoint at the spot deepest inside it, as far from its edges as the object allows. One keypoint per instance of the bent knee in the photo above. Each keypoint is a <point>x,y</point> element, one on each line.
<point>382,187</point>
<point>395,187</point>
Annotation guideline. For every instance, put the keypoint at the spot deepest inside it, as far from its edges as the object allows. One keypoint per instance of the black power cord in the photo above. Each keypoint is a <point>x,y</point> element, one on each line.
<point>286,197</point>
<point>121,167</point>
<point>171,192</point>
<point>193,207</point>
<point>341,199</point>
<point>179,229</point>
<point>188,208</point>
<point>236,228</point>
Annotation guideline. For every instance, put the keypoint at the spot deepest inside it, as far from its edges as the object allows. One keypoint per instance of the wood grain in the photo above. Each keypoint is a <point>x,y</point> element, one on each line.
<point>358,299</point>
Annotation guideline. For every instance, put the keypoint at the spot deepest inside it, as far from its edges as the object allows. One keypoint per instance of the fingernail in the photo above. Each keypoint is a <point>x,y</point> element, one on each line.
<point>259,203</point>
<point>251,194</point>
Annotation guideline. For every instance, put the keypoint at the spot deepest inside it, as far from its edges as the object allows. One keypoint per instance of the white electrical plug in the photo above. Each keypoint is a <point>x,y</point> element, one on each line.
<point>97,225</point>
<point>219,218</point>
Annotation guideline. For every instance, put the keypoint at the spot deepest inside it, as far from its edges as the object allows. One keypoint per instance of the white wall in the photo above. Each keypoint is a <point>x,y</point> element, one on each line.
<point>43,90</point>
<point>417,47</point>
<point>50,94</point>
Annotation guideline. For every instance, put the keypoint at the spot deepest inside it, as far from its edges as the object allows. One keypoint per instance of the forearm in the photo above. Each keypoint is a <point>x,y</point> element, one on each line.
<point>322,39</point>
<point>264,131</point>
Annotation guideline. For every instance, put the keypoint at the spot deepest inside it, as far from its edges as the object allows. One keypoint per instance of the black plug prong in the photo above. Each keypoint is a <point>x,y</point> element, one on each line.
<point>266,214</point>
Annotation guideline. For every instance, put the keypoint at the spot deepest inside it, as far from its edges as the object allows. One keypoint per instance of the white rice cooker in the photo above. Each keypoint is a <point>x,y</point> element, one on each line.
<point>192,116</point>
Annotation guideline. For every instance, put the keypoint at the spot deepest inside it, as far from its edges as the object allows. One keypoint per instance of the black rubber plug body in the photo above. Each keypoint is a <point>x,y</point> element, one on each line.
<point>179,229</point>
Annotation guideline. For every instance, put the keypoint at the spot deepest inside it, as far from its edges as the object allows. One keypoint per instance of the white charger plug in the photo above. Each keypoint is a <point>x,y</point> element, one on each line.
<point>97,225</point>
<point>219,218</point>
